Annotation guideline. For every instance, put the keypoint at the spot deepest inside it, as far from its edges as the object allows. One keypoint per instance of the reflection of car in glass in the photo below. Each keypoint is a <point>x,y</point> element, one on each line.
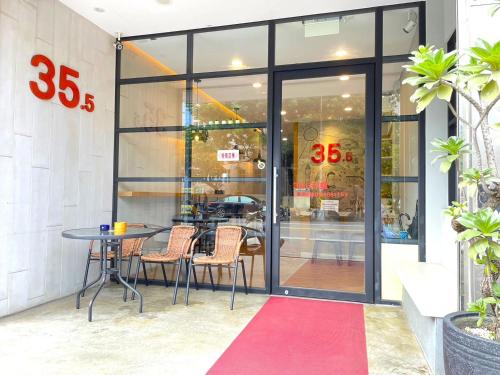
<point>235,206</point>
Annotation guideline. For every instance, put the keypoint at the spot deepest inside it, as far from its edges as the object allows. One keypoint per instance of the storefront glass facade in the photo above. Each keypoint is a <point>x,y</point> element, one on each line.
<point>298,129</point>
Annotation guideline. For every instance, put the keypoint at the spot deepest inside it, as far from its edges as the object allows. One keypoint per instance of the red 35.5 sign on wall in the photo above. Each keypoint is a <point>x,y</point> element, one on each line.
<point>68,91</point>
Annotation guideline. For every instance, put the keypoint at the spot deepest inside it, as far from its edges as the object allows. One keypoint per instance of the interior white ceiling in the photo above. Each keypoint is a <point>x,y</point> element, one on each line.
<point>134,17</point>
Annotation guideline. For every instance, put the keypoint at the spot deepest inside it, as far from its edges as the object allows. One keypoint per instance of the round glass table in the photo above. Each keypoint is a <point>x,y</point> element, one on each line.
<point>114,242</point>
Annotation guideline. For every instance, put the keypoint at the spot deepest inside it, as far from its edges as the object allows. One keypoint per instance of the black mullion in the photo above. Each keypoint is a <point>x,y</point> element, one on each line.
<point>153,79</point>
<point>191,179</point>
<point>271,34</point>
<point>116,138</point>
<point>379,24</point>
<point>422,156</point>
<point>399,179</point>
<point>396,58</point>
<point>229,73</point>
<point>179,128</point>
<point>188,141</point>
<point>401,118</point>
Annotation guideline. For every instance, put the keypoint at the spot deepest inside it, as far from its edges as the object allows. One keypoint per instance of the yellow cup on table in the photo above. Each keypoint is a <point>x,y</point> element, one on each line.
<point>120,227</point>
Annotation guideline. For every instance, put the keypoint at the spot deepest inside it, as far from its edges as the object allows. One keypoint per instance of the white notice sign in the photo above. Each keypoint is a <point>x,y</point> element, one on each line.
<point>228,155</point>
<point>330,205</point>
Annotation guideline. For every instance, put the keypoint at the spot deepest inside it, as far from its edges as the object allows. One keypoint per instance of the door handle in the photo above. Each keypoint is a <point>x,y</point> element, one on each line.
<point>275,184</point>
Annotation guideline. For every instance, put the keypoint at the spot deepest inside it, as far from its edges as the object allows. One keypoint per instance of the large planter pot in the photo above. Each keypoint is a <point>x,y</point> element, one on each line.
<point>466,354</point>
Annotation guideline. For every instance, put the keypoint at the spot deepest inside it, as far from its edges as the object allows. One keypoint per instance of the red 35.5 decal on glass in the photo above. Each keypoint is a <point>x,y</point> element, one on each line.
<point>331,153</point>
<point>68,91</point>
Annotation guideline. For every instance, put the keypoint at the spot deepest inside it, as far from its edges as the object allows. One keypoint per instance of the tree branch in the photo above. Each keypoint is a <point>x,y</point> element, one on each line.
<point>467,96</point>
<point>453,110</point>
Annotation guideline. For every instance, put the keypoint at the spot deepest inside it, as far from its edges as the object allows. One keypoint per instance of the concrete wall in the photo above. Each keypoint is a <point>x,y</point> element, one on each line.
<point>55,163</point>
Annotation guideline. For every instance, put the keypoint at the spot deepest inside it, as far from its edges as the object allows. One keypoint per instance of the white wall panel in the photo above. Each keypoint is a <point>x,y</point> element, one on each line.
<point>55,162</point>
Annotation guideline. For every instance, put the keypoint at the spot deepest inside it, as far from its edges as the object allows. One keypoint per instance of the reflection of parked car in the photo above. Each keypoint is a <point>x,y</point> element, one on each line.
<point>235,206</point>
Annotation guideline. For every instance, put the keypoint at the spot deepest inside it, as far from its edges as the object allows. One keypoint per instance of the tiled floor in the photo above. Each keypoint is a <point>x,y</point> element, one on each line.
<point>57,339</point>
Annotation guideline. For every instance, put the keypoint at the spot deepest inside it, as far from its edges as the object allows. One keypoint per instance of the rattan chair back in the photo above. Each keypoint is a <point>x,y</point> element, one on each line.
<point>228,240</point>
<point>180,240</point>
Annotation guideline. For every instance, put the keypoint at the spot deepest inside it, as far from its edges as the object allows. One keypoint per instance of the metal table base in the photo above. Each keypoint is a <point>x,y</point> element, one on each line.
<point>105,271</point>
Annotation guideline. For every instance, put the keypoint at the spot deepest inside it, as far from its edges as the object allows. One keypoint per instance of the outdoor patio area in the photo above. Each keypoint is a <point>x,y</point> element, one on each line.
<point>167,338</point>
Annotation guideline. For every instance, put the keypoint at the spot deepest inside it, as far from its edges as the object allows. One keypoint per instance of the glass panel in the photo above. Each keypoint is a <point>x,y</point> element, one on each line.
<point>152,104</point>
<point>322,188</point>
<point>393,255</point>
<point>167,203</point>
<point>399,212</point>
<point>151,154</point>
<point>234,49</point>
<point>154,57</point>
<point>324,39</point>
<point>400,31</point>
<point>395,95</point>
<point>230,100</point>
<point>249,143</point>
<point>400,149</point>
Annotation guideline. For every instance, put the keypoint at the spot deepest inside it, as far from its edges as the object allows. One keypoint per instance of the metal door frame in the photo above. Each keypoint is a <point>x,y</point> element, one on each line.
<point>279,77</point>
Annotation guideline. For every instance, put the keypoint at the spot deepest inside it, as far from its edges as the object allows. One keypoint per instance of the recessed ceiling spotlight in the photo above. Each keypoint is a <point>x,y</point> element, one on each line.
<point>348,109</point>
<point>236,63</point>
<point>163,2</point>
<point>99,9</point>
<point>283,113</point>
<point>346,96</point>
<point>344,78</point>
<point>341,53</point>
<point>284,139</point>
<point>256,85</point>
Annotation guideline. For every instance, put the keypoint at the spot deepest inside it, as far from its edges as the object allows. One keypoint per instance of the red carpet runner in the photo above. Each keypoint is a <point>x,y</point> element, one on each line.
<point>299,336</point>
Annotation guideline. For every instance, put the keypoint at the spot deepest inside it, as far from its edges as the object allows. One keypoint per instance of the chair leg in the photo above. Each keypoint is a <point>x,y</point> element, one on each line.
<point>136,275</point>
<point>211,277</point>
<point>86,273</point>
<point>194,274</point>
<point>179,266</point>
<point>125,290</point>
<point>235,275</point>
<point>186,300</point>
<point>251,270</point>
<point>164,275</point>
<point>244,275</point>
<point>145,274</point>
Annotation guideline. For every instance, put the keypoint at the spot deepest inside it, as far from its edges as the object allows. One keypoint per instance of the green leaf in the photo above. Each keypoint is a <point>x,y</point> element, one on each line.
<point>490,300</point>
<point>495,247</point>
<point>468,234</point>
<point>496,289</point>
<point>445,166</point>
<point>426,100</point>
<point>490,91</point>
<point>476,82</point>
<point>479,247</point>
<point>444,92</point>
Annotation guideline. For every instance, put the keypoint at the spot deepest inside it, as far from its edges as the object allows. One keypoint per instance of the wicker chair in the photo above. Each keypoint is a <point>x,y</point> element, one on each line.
<point>253,249</point>
<point>130,248</point>
<point>178,247</point>
<point>228,241</point>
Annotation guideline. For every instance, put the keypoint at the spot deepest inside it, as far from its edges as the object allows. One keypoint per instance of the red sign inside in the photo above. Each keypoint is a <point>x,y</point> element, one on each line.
<point>333,154</point>
<point>69,93</point>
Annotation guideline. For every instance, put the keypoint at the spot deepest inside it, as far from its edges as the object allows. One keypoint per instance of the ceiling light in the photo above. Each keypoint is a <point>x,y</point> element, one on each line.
<point>256,85</point>
<point>341,53</point>
<point>236,63</point>
<point>284,139</point>
<point>344,78</point>
<point>345,96</point>
<point>348,109</point>
<point>99,10</point>
<point>283,113</point>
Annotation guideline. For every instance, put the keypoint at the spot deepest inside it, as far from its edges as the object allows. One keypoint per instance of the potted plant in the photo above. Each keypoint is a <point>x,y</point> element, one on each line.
<point>472,338</point>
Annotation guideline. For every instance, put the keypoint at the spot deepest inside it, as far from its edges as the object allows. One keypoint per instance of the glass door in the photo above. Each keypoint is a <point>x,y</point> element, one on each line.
<point>323,183</point>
